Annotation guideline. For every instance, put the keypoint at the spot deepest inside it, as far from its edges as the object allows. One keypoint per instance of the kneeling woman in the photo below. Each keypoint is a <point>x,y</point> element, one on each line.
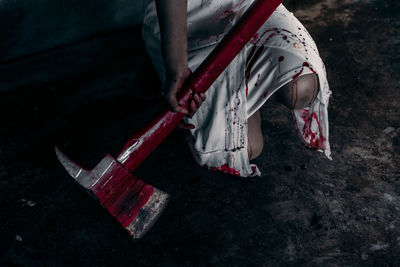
<point>281,58</point>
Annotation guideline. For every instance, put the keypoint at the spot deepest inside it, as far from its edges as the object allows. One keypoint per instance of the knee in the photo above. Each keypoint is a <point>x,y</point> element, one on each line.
<point>300,92</point>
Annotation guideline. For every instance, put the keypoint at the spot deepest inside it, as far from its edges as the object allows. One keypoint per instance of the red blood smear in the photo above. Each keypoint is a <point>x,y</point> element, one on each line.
<point>123,195</point>
<point>305,64</point>
<point>316,138</point>
<point>225,168</point>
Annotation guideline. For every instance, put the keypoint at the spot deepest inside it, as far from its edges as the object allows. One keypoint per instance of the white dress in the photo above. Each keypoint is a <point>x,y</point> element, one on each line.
<point>280,51</point>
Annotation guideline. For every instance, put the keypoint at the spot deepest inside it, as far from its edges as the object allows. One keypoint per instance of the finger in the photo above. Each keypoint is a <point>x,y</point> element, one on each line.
<point>197,99</point>
<point>173,103</point>
<point>203,96</point>
<point>192,108</point>
<point>182,110</point>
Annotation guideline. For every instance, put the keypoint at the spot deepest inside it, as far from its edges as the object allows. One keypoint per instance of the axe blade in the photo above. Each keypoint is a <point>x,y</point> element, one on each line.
<point>135,204</point>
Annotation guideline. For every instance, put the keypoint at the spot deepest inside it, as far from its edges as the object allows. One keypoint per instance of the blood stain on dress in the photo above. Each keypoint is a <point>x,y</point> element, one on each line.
<point>305,64</point>
<point>316,139</point>
<point>225,168</point>
<point>264,33</point>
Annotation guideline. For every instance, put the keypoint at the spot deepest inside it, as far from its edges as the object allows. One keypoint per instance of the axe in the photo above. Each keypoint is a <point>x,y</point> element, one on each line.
<point>135,204</point>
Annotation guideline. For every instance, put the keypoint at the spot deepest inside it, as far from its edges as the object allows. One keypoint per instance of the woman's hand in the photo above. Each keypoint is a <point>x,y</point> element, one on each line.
<point>173,85</point>
<point>172,16</point>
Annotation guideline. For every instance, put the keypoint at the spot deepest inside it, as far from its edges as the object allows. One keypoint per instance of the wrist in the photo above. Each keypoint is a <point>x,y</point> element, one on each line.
<point>178,72</point>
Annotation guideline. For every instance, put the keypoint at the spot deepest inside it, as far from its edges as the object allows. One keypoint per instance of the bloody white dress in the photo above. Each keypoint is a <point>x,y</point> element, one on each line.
<point>280,51</point>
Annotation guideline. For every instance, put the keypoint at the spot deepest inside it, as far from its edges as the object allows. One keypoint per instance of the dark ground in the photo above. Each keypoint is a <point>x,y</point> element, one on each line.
<point>305,210</point>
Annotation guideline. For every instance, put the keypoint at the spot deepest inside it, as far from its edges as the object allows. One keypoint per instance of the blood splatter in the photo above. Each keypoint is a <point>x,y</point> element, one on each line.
<point>264,33</point>
<point>314,139</point>
<point>305,64</point>
<point>225,168</point>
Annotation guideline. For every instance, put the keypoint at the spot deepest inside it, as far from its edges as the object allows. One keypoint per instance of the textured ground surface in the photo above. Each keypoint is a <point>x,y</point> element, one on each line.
<point>304,210</point>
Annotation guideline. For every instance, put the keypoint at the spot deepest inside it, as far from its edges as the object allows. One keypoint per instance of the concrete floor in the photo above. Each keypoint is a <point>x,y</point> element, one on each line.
<point>305,210</point>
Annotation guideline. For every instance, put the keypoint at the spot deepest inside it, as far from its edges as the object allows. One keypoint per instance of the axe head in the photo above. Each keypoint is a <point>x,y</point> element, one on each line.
<point>135,204</point>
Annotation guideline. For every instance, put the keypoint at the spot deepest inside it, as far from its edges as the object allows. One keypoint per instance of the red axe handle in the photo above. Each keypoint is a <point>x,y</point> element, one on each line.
<point>143,142</point>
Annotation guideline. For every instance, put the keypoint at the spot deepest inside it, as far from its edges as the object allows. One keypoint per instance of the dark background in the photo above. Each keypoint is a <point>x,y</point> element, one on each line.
<point>76,74</point>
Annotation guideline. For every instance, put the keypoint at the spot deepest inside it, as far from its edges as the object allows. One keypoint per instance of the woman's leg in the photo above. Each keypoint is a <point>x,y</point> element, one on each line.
<point>299,93</point>
<point>254,135</point>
